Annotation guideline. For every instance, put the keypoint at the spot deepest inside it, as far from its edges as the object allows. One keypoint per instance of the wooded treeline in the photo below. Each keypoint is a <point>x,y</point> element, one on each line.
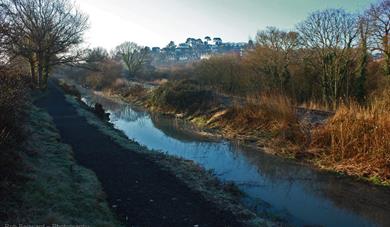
<point>332,57</point>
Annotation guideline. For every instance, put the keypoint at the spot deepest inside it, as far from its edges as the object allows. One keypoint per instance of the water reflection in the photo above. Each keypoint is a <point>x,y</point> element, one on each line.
<point>274,186</point>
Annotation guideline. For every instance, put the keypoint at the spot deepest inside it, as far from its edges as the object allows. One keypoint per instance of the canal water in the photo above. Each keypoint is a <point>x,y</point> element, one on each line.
<point>275,187</point>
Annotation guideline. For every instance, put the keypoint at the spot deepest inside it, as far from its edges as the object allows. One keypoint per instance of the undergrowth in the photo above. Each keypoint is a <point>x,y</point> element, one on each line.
<point>13,110</point>
<point>183,97</point>
<point>357,139</point>
<point>272,118</point>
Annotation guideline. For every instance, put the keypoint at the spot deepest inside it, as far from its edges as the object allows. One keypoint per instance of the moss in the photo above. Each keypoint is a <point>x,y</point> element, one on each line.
<point>59,191</point>
<point>200,121</point>
<point>377,181</point>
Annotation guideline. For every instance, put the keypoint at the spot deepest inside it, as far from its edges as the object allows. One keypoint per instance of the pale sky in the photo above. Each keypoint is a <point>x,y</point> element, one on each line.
<point>156,22</point>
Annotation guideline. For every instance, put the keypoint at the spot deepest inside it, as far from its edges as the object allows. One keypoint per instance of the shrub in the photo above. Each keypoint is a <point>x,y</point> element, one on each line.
<point>103,77</point>
<point>183,96</point>
<point>13,99</point>
<point>226,74</point>
<point>128,89</point>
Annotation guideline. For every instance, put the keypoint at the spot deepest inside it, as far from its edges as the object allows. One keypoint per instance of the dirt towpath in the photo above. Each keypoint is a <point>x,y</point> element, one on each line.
<point>141,193</point>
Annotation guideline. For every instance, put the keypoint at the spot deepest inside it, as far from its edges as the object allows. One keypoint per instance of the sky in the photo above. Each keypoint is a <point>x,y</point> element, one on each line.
<point>156,22</point>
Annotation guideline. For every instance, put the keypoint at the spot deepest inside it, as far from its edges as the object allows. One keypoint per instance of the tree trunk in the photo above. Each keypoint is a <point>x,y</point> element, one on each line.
<point>387,65</point>
<point>386,53</point>
<point>362,71</point>
<point>46,76</point>
<point>33,75</point>
<point>40,74</point>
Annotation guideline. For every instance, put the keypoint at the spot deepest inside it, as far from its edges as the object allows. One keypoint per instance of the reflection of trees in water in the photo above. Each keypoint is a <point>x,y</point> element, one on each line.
<point>128,114</point>
<point>368,201</point>
<point>107,104</point>
<point>118,110</point>
<point>276,170</point>
<point>177,129</point>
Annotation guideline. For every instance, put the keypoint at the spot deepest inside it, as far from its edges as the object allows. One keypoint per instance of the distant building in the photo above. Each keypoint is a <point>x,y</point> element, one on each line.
<point>195,49</point>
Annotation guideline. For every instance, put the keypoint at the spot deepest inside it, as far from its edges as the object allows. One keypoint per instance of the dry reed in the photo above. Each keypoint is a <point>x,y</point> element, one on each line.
<point>357,139</point>
<point>273,115</point>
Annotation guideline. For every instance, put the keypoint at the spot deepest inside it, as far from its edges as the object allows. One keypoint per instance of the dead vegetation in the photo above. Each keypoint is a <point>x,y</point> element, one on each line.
<point>356,140</point>
<point>265,113</point>
<point>184,97</point>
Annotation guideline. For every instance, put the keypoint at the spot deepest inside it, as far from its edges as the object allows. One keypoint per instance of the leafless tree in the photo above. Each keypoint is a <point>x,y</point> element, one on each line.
<point>379,17</point>
<point>273,54</point>
<point>330,36</point>
<point>98,54</point>
<point>133,56</point>
<point>277,39</point>
<point>45,32</point>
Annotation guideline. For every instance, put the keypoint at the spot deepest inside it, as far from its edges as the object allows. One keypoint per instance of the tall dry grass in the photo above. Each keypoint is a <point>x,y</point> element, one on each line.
<point>357,139</point>
<point>265,111</point>
<point>272,115</point>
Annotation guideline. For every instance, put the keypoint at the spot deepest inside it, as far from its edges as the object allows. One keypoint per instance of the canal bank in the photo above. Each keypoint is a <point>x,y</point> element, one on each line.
<point>275,187</point>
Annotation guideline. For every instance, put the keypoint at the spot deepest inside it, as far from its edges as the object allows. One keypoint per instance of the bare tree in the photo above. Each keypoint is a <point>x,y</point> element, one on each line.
<point>98,54</point>
<point>379,17</point>
<point>133,56</point>
<point>44,32</point>
<point>330,37</point>
<point>273,54</point>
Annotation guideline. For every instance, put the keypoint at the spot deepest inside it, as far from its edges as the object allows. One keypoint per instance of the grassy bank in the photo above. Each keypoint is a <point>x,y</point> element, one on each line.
<point>56,190</point>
